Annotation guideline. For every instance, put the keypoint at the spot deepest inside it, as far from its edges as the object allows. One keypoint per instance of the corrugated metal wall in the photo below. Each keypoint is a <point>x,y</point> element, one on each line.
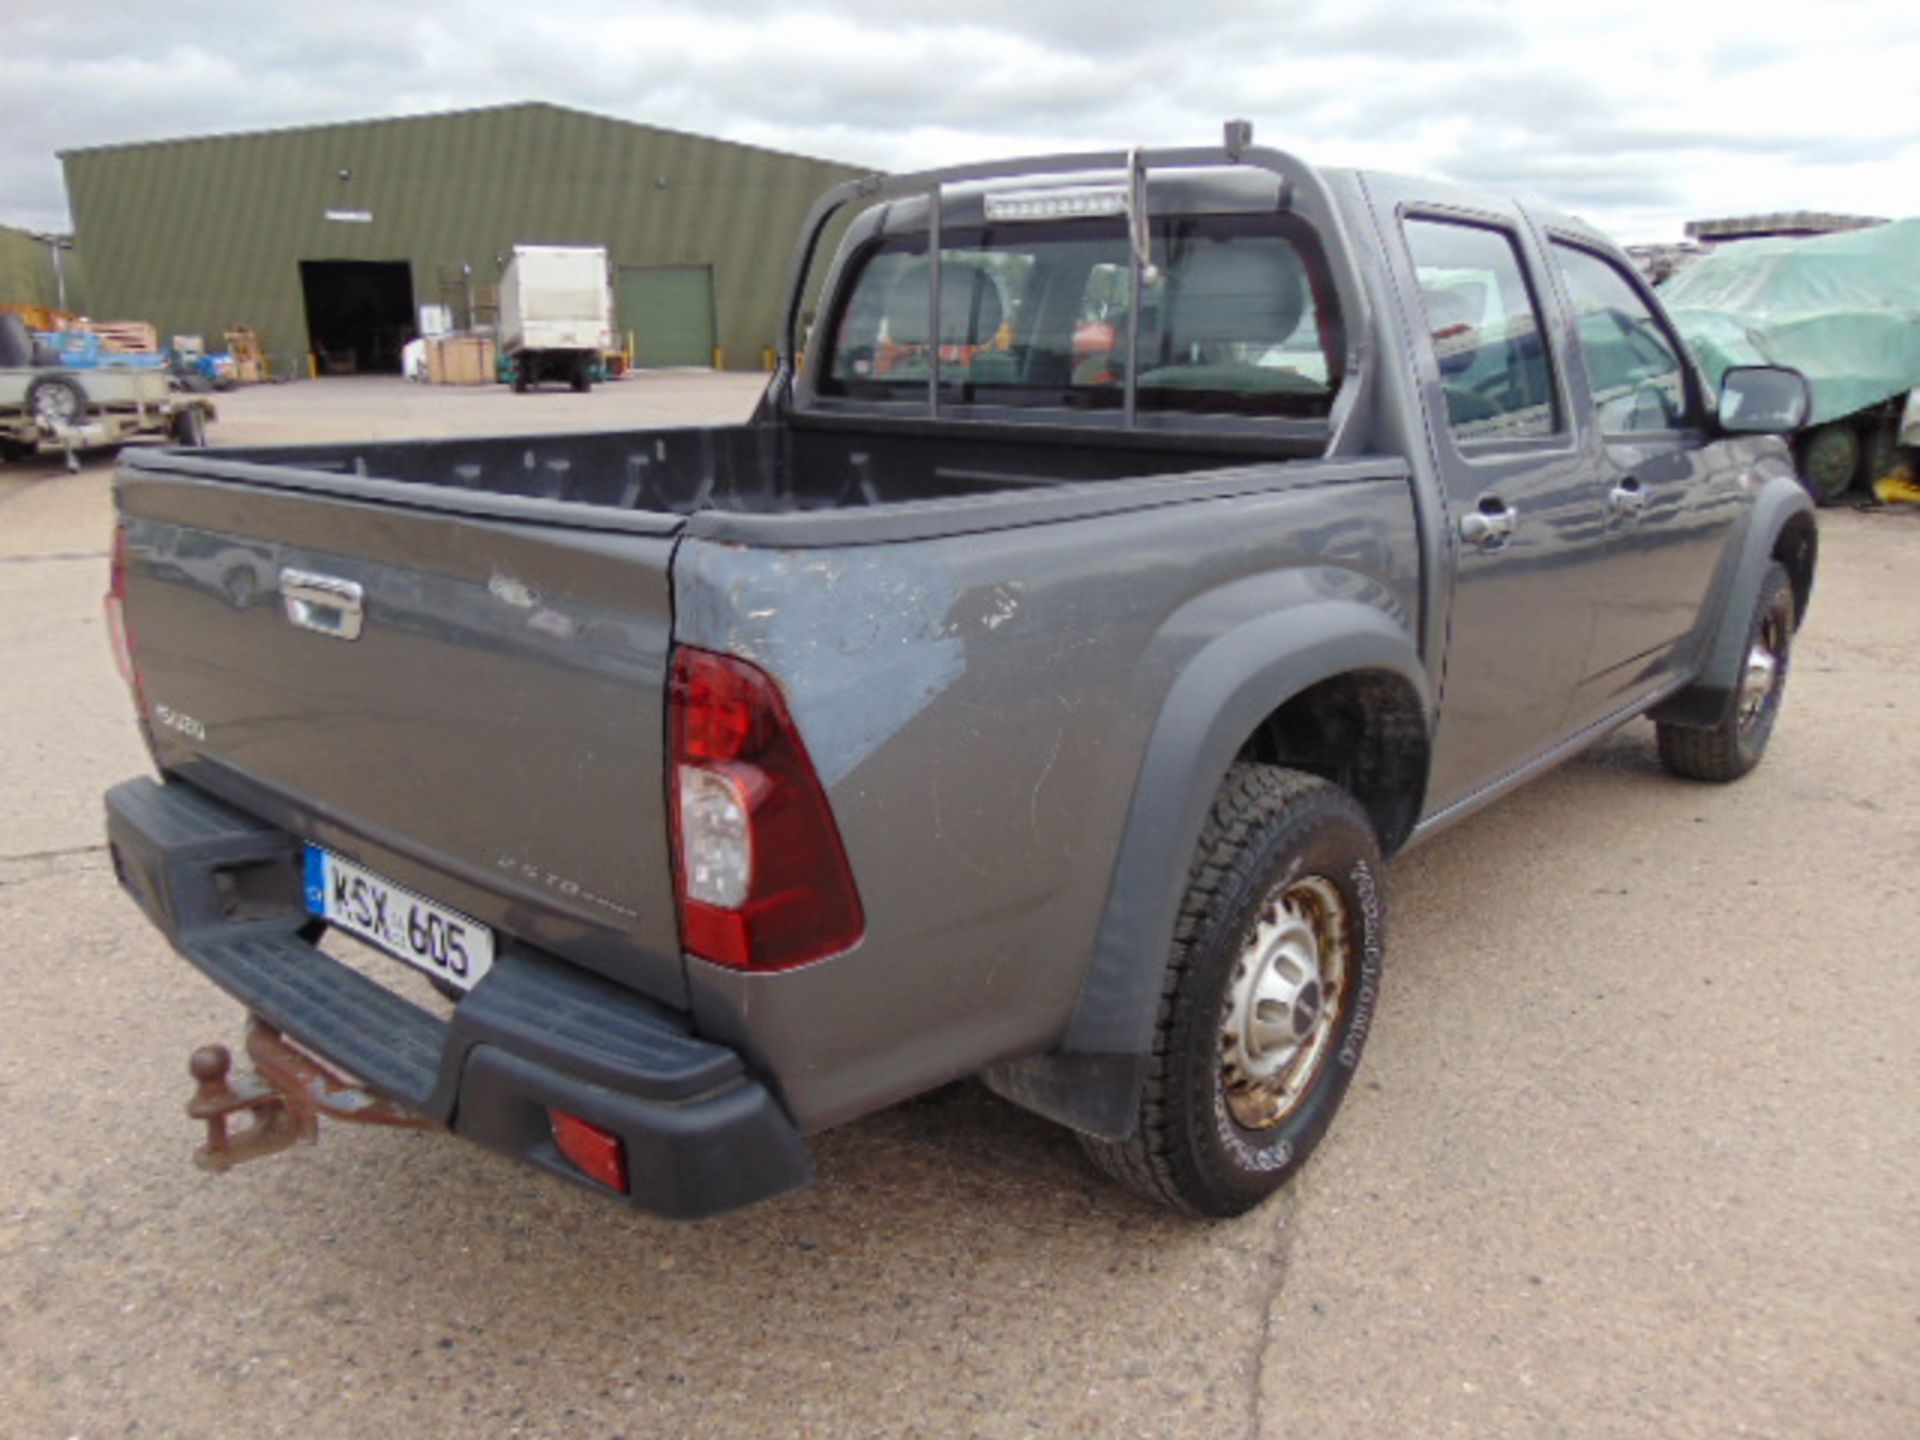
<point>202,235</point>
<point>26,272</point>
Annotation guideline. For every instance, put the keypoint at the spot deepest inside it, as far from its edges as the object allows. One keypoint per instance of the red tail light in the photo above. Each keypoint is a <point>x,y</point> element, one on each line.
<point>116,602</point>
<point>762,878</point>
<point>126,654</point>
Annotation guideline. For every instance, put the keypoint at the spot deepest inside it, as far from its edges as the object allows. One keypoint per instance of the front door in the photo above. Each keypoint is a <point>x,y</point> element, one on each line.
<point>1669,505</point>
<point>1524,512</point>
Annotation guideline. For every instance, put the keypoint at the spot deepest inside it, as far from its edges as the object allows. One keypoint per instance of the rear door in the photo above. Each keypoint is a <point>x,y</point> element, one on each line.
<point>491,732</point>
<point>1525,518</point>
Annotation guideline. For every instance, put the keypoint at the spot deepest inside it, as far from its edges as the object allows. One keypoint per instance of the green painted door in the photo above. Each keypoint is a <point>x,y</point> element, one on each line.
<point>668,310</point>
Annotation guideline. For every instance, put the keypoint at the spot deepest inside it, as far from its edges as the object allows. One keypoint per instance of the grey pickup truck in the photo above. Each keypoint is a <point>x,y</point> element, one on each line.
<point>1144,546</point>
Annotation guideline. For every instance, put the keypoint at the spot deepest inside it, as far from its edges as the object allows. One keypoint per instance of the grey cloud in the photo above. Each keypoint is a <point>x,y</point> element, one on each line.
<point>1321,75</point>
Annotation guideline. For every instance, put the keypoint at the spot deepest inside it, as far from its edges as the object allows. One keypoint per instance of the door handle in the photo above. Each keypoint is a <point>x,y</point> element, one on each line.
<point>1489,526</point>
<point>1627,497</point>
<point>324,604</point>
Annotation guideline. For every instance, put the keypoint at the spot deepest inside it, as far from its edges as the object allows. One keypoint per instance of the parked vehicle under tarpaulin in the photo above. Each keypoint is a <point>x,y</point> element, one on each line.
<point>1843,309</point>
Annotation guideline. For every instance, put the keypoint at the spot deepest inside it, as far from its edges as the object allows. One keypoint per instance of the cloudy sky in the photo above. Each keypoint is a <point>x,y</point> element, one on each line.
<point>1638,114</point>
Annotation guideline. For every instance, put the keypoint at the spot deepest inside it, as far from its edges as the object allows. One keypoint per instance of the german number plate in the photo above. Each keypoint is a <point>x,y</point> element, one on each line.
<point>442,942</point>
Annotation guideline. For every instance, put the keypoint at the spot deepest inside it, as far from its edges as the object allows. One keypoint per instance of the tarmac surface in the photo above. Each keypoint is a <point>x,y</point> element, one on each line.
<point>1635,1150</point>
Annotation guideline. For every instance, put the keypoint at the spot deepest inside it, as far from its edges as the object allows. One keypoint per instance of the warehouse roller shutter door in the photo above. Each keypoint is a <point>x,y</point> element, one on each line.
<point>668,310</point>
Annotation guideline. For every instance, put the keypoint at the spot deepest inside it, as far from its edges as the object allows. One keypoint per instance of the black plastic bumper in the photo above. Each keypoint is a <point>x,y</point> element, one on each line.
<point>702,1136</point>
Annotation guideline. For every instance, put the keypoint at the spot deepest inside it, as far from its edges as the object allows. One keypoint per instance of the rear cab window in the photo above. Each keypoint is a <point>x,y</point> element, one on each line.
<point>1241,319</point>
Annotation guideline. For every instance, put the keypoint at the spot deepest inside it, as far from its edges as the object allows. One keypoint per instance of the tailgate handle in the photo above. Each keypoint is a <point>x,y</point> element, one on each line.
<point>322,603</point>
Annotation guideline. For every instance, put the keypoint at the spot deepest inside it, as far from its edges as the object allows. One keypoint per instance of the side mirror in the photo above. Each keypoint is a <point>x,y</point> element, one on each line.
<point>1764,400</point>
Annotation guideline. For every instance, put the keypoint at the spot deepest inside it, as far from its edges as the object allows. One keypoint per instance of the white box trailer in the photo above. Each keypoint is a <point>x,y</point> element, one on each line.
<point>556,313</point>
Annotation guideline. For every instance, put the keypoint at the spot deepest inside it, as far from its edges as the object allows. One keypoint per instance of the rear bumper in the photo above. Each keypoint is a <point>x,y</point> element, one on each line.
<point>702,1136</point>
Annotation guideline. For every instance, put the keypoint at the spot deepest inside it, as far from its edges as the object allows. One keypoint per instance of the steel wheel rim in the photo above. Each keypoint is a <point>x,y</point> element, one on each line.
<point>54,403</point>
<point>1285,997</point>
<point>1766,666</point>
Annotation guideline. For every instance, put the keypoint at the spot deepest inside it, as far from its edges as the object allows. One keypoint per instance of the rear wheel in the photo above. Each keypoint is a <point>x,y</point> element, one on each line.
<point>190,429</point>
<point>1734,746</point>
<point>1269,993</point>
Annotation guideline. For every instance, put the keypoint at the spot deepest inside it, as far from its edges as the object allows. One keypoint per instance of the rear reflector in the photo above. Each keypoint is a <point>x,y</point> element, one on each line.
<point>598,1154</point>
<point>762,878</point>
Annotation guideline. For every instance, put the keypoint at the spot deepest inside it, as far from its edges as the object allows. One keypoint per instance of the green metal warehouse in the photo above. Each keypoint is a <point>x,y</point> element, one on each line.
<point>331,237</point>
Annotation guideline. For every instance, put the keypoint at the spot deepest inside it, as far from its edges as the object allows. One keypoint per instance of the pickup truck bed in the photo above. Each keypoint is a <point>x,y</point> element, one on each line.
<point>763,468</point>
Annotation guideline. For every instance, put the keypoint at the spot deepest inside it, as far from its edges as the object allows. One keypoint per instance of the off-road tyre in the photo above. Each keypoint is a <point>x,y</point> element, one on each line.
<point>1270,832</point>
<point>1829,461</point>
<point>1732,748</point>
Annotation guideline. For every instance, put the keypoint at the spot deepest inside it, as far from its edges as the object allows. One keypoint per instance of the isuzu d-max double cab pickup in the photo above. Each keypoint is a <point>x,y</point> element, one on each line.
<point>1145,545</point>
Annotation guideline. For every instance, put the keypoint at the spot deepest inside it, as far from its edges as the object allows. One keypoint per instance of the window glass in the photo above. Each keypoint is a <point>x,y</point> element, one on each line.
<point>1037,313</point>
<point>1486,330</point>
<point>1638,378</point>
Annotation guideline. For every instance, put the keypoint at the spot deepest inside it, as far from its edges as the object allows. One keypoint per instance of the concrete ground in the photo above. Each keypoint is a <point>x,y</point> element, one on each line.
<point>1635,1151</point>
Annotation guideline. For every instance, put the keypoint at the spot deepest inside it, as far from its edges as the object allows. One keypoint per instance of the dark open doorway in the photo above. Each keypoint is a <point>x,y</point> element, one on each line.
<point>359,313</point>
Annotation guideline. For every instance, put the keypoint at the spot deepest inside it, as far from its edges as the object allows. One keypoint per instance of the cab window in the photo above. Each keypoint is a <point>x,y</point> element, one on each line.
<point>1241,319</point>
<point>1485,326</point>
<point>1637,375</point>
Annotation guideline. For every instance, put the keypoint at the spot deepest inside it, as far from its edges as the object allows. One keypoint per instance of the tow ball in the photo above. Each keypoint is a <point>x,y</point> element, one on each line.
<point>282,1099</point>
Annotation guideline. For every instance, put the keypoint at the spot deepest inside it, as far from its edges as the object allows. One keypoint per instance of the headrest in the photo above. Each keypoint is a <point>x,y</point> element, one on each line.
<point>969,306</point>
<point>1245,290</point>
<point>1454,313</point>
<point>1455,307</point>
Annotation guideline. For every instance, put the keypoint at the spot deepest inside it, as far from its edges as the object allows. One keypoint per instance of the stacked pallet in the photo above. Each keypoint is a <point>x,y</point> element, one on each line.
<point>461,360</point>
<point>249,361</point>
<point>126,337</point>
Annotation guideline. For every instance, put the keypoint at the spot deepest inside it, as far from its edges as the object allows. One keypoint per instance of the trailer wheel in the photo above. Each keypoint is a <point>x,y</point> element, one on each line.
<point>1829,458</point>
<point>56,400</point>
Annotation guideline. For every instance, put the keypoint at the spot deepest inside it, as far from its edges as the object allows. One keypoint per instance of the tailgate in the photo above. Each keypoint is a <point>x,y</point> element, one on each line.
<point>492,737</point>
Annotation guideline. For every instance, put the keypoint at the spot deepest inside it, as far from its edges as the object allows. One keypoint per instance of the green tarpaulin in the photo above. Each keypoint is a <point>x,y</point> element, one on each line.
<point>1843,309</point>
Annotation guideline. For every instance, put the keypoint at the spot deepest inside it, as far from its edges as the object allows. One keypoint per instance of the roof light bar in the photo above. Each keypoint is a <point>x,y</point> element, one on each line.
<point>1060,203</point>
